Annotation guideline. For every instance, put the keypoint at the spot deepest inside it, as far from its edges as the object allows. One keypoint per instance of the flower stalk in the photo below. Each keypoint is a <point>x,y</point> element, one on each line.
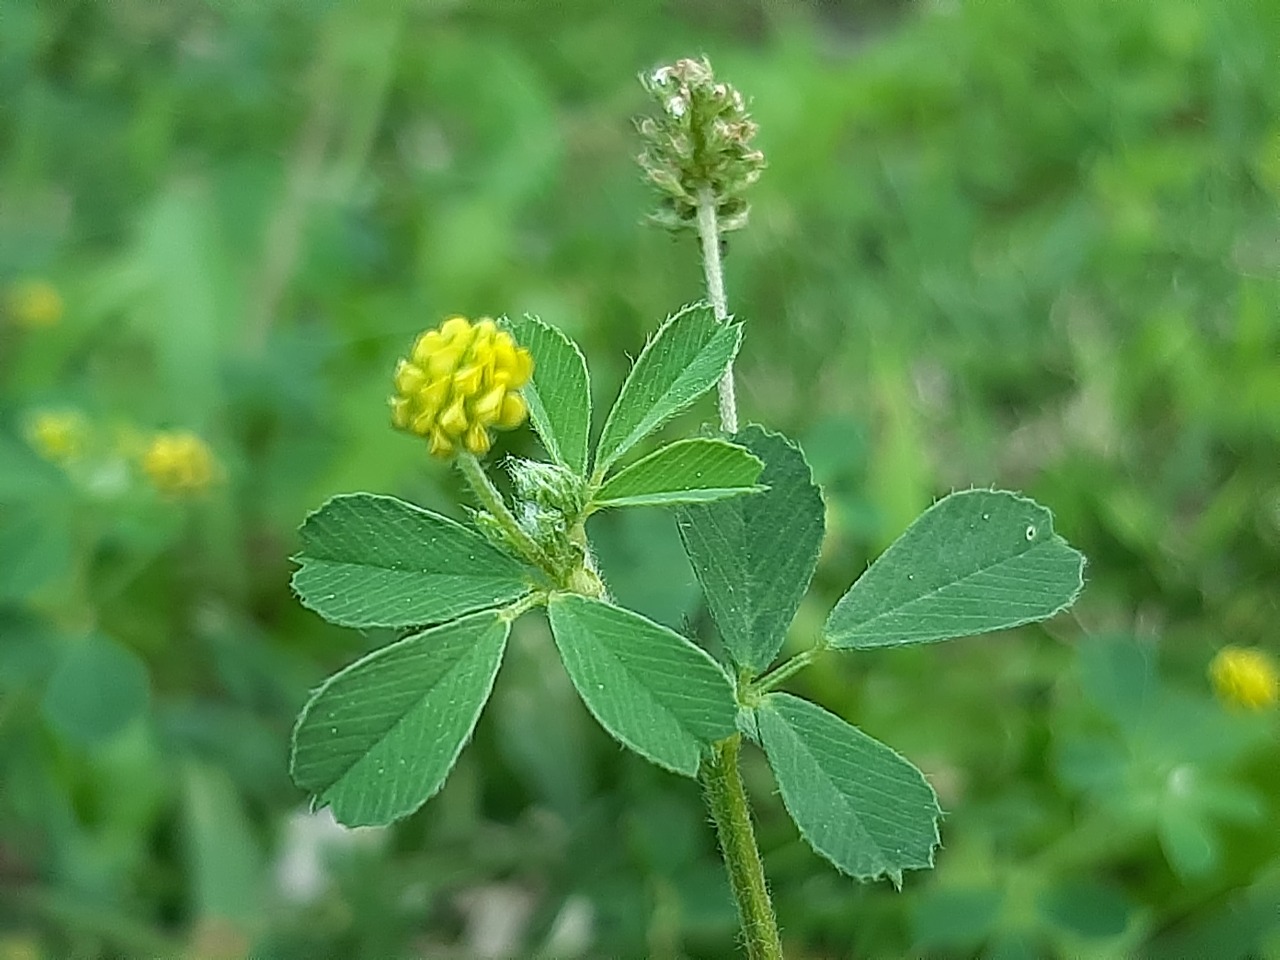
<point>713,270</point>
<point>492,501</point>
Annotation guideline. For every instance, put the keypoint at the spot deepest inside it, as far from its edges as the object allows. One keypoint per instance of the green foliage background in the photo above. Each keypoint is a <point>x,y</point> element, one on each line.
<point>1027,244</point>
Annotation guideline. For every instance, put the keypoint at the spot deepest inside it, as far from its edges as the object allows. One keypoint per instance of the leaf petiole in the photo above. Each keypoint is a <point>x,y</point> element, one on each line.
<point>784,671</point>
<point>512,611</point>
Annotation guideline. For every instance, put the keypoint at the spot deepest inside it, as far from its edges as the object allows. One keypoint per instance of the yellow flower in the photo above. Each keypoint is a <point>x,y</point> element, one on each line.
<point>1245,678</point>
<point>179,463</point>
<point>34,304</point>
<point>58,435</point>
<point>458,382</point>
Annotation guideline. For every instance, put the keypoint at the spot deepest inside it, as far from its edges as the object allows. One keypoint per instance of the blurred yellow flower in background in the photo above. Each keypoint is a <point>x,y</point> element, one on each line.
<point>179,462</point>
<point>58,435</point>
<point>458,382</point>
<point>1246,678</point>
<point>34,304</point>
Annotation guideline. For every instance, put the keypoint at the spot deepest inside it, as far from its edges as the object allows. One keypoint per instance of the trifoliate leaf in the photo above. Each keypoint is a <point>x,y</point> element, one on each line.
<point>648,686</point>
<point>559,395</point>
<point>683,361</point>
<point>856,801</point>
<point>375,561</point>
<point>687,471</point>
<point>377,740</point>
<point>755,556</point>
<point>975,561</point>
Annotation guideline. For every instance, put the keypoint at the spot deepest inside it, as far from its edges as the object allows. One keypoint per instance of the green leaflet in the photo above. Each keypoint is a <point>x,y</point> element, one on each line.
<point>375,561</point>
<point>687,471</point>
<point>1117,674</point>
<point>35,544</point>
<point>754,556</point>
<point>975,561</point>
<point>682,361</point>
<point>856,801</point>
<point>97,689</point>
<point>1085,908</point>
<point>559,395</point>
<point>377,740</point>
<point>649,687</point>
<point>225,860</point>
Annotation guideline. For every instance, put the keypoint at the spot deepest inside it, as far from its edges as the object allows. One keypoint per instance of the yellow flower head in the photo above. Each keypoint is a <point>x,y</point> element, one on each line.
<point>58,435</point>
<point>1245,678</point>
<point>179,463</point>
<point>34,304</point>
<point>459,381</point>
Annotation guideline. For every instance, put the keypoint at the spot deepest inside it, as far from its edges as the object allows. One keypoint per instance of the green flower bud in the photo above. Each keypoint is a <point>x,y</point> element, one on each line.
<point>699,141</point>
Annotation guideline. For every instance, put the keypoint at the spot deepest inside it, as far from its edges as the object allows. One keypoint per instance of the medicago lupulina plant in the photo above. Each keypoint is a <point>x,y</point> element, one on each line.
<point>378,739</point>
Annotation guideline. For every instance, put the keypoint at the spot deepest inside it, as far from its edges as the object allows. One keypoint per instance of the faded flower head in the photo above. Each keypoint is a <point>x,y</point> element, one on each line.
<point>1246,678</point>
<point>58,435</point>
<point>460,381</point>
<point>34,304</point>
<point>700,140</point>
<point>179,463</point>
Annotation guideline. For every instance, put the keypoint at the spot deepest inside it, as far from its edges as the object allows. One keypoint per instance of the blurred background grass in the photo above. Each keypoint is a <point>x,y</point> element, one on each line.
<point>1030,244</point>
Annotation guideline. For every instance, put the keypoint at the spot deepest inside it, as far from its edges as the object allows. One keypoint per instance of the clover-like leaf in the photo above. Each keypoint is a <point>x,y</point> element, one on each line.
<point>559,395</point>
<point>754,556</point>
<point>682,361</point>
<point>856,801</point>
<point>687,471</point>
<point>377,740</point>
<point>97,689</point>
<point>375,561</point>
<point>975,561</point>
<point>652,689</point>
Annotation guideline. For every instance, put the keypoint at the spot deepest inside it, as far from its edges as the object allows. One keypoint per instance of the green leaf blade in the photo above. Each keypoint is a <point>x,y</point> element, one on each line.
<point>754,556</point>
<point>683,360</point>
<point>377,739</point>
<point>855,800</point>
<point>98,688</point>
<point>649,687</point>
<point>226,859</point>
<point>559,394</point>
<point>687,471</point>
<point>975,561</point>
<point>375,561</point>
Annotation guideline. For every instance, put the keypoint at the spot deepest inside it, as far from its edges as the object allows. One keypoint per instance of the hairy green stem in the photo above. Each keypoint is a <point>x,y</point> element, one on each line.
<point>727,800</point>
<point>726,796</point>
<point>709,236</point>
<point>586,579</point>
<point>492,501</point>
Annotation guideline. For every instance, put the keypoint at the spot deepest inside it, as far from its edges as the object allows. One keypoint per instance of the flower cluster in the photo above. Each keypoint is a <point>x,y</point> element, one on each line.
<point>458,382</point>
<point>1245,677</point>
<point>34,304</point>
<point>700,141</point>
<point>58,435</point>
<point>179,463</point>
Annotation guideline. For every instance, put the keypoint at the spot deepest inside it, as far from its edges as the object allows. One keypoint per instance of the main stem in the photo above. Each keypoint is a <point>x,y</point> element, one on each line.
<point>727,799</point>
<point>709,236</point>
<point>726,795</point>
